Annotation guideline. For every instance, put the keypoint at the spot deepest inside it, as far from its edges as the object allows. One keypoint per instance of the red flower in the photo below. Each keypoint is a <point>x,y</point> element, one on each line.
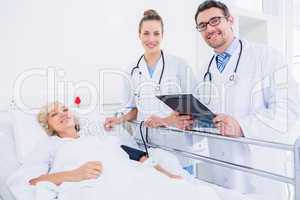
<point>77,101</point>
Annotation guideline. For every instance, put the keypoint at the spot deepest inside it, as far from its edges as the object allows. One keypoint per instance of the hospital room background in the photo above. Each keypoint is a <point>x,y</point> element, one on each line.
<point>81,39</point>
<point>63,49</point>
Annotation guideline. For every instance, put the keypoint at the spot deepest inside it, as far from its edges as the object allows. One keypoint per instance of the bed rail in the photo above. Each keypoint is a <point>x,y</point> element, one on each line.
<point>295,149</point>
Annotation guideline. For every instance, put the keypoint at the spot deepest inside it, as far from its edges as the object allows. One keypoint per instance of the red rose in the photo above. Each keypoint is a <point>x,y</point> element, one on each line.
<point>77,101</point>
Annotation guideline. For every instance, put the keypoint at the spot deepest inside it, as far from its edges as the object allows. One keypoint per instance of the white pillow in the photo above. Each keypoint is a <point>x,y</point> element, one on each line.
<point>27,133</point>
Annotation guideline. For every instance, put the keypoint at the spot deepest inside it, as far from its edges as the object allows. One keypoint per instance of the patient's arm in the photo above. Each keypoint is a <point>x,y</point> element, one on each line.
<point>110,122</point>
<point>89,170</point>
<point>161,169</point>
<point>164,171</point>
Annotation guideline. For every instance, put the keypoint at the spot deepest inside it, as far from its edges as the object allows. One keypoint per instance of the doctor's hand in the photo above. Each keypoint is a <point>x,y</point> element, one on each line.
<point>228,126</point>
<point>111,122</point>
<point>155,121</point>
<point>183,122</point>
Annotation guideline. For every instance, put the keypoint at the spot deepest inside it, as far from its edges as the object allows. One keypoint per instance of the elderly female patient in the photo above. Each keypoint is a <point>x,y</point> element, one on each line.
<point>62,126</point>
<point>68,166</point>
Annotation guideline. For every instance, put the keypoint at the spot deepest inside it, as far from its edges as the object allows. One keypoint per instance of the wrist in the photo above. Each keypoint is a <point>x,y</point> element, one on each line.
<point>42,178</point>
<point>150,162</point>
<point>120,120</point>
<point>71,175</point>
<point>167,121</point>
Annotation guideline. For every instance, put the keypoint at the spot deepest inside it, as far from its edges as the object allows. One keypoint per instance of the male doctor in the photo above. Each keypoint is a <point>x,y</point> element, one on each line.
<point>250,89</point>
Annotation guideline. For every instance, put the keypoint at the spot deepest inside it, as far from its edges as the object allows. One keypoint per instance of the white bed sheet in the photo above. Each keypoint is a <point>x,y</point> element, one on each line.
<point>227,194</point>
<point>8,160</point>
<point>9,164</point>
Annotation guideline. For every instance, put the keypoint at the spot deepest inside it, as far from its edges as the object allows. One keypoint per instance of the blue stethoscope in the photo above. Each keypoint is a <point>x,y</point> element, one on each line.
<point>137,67</point>
<point>232,78</point>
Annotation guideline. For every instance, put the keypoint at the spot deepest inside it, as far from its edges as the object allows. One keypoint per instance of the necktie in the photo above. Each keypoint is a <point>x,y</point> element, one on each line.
<point>222,59</point>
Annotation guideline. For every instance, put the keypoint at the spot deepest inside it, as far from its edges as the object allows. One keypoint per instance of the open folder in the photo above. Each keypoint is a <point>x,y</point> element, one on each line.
<point>187,104</point>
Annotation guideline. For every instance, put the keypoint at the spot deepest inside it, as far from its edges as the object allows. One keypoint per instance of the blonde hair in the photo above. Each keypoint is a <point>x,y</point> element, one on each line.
<point>151,15</point>
<point>43,115</point>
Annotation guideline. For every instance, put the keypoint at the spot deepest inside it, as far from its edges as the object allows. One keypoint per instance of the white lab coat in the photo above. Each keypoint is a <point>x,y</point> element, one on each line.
<point>177,79</point>
<point>260,102</point>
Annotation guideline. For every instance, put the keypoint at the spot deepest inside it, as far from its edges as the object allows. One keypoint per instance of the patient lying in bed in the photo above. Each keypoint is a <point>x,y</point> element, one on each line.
<point>93,168</point>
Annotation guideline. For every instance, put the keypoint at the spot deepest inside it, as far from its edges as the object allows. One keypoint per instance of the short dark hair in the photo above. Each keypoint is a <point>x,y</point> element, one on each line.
<point>212,4</point>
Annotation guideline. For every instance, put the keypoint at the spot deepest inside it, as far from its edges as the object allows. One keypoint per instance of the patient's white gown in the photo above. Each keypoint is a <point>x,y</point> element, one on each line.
<point>121,178</point>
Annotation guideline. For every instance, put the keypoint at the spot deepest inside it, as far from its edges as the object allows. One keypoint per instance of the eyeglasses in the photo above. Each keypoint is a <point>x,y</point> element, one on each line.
<point>215,21</point>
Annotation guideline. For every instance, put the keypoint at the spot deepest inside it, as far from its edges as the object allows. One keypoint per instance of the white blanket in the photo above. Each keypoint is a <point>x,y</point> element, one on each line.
<point>121,178</point>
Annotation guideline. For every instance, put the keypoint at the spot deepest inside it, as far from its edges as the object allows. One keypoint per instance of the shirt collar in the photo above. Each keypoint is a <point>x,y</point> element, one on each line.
<point>232,47</point>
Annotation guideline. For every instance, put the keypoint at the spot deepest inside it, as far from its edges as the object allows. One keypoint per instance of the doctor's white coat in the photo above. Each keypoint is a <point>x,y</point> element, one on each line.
<point>141,91</point>
<point>177,78</point>
<point>265,101</point>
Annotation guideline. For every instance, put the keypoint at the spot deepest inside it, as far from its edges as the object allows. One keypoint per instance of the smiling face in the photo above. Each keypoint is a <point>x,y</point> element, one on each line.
<point>220,36</point>
<point>151,35</point>
<point>60,119</point>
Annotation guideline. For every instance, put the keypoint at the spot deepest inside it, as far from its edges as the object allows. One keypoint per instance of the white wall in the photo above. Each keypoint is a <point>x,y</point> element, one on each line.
<point>81,37</point>
<point>296,13</point>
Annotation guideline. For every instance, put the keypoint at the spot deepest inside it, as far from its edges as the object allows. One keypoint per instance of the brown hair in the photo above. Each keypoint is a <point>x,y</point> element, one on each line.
<point>212,4</point>
<point>151,15</point>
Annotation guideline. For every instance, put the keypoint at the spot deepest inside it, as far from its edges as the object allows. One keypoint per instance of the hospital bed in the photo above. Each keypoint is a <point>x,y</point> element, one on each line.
<point>208,133</point>
<point>9,163</point>
<point>8,158</point>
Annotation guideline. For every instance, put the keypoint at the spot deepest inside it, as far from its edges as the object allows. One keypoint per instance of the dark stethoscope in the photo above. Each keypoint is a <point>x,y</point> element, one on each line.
<point>137,67</point>
<point>232,78</point>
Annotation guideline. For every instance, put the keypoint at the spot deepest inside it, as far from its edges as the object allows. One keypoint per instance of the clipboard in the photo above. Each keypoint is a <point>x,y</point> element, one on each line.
<point>187,104</point>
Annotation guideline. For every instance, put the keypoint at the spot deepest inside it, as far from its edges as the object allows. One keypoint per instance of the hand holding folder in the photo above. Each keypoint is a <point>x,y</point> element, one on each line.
<point>187,104</point>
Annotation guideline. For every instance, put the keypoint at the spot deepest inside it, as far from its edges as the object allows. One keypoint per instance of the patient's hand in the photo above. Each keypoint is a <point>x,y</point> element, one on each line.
<point>89,170</point>
<point>161,169</point>
<point>167,173</point>
<point>174,176</point>
<point>110,122</point>
<point>143,159</point>
<point>34,181</point>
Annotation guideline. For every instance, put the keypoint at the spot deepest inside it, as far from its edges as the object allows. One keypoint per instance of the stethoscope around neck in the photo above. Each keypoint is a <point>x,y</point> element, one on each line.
<point>232,78</point>
<point>137,68</point>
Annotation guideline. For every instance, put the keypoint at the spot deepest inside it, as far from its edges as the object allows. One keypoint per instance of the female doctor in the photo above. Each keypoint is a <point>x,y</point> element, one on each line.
<point>154,73</point>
